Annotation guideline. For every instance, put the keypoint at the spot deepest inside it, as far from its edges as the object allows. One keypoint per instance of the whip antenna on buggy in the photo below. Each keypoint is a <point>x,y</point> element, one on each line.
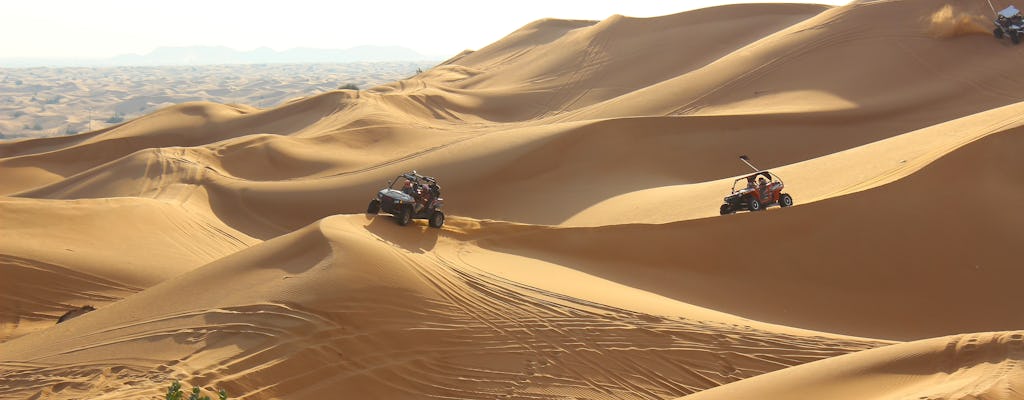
<point>746,160</point>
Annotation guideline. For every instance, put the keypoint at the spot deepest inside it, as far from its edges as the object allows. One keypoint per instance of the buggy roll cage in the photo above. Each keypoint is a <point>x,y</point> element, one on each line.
<point>752,177</point>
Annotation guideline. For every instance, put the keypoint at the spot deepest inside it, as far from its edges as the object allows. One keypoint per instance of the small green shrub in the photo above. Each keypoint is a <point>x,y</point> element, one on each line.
<point>349,86</point>
<point>174,393</point>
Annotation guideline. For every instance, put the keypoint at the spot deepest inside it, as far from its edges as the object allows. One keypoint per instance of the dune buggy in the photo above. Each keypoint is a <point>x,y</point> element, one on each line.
<point>1009,23</point>
<point>756,191</point>
<point>410,196</point>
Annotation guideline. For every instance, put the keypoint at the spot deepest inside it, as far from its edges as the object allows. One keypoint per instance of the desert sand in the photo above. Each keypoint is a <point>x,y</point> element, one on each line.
<point>583,257</point>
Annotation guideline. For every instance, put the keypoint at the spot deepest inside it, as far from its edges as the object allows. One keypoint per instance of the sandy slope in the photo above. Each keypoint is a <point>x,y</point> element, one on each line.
<point>583,163</point>
<point>361,305</point>
<point>971,366</point>
<point>881,263</point>
<point>55,255</point>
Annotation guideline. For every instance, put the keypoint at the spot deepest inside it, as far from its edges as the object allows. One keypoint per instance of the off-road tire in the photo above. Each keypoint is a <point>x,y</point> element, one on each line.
<point>724,209</point>
<point>785,200</point>
<point>998,33</point>
<point>404,215</point>
<point>1015,37</point>
<point>374,207</point>
<point>754,205</point>
<point>436,219</point>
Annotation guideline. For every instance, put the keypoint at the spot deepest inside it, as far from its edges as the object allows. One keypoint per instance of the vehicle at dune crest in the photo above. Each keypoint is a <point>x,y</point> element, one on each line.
<point>1009,23</point>
<point>410,196</point>
<point>756,192</point>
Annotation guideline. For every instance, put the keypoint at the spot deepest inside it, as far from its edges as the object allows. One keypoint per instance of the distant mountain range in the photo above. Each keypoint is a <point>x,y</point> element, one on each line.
<point>211,55</point>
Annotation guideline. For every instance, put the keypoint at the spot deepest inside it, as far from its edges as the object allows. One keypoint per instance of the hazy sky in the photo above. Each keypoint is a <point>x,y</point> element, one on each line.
<point>104,28</point>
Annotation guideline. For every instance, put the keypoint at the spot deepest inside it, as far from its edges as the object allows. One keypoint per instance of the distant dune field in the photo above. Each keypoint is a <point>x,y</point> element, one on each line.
<point>584,254</point>
<point>56,101</point>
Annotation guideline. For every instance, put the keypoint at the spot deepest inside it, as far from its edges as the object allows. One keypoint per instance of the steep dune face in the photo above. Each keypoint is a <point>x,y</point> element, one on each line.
<point>582,163</point>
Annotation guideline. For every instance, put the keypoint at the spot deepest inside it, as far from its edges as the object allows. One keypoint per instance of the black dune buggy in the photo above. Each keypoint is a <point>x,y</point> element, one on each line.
<point>410,196</point>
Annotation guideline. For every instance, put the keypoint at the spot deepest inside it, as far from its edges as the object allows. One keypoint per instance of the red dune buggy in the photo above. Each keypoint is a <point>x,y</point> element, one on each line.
<point>756,191</point>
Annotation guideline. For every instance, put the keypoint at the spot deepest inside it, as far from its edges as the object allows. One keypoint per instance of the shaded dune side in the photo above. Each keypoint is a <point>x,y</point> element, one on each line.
<point>361,302</point>
<point>138,242</point>
<point>971,366</point>
<point>33,294</point>
<point>60,255</point>
<point>920,257</point>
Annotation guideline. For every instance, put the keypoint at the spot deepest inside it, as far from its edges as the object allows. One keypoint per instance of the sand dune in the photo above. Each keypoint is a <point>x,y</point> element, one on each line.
<point>583,163</point>
<point>326,303</point>
<point>980,366</point>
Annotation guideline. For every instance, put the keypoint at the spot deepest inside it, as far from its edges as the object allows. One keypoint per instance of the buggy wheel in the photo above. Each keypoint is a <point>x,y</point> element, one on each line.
<point>998,33</point>
<point>404,215</point>
<point>1015,37</point>
<point>785,200</point>
<point>754,205</point>
<point>436,219</point>
<point>374,207</point>
<point>724,209</point>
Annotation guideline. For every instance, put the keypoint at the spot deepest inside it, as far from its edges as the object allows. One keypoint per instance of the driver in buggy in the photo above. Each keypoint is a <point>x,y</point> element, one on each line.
<point>419,193</point>
<point>422,196</point>
<point>1009,16</point>
<point>762,189</point>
